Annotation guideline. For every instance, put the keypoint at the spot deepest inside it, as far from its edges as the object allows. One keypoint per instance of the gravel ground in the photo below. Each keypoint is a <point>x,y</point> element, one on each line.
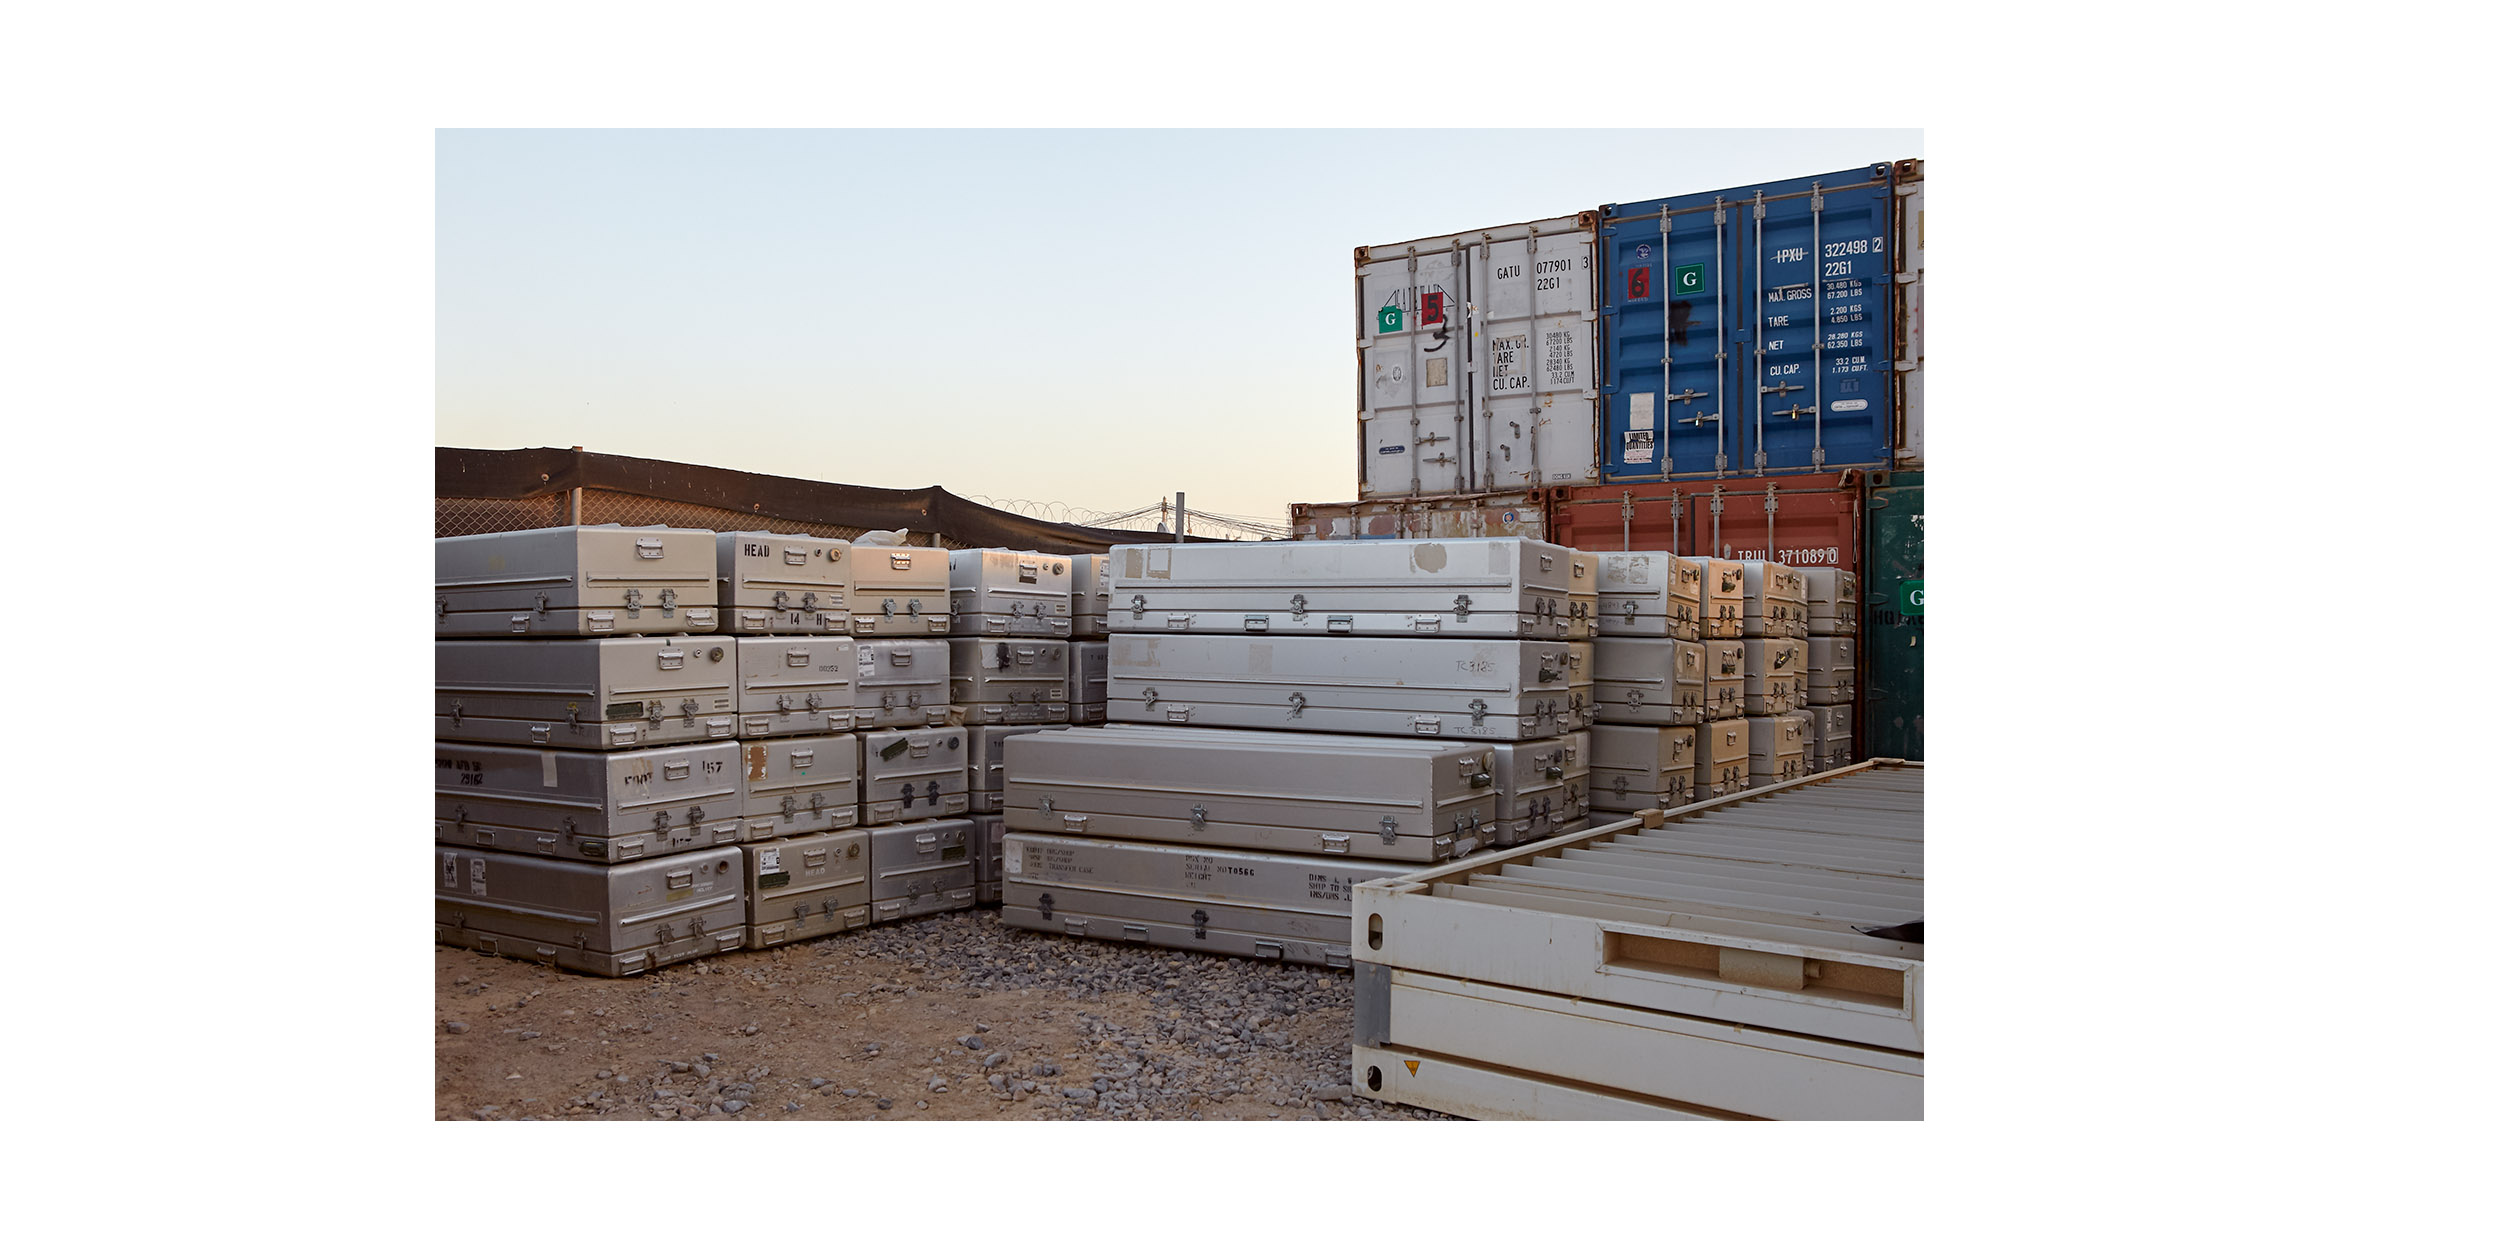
<point>956,1017</point>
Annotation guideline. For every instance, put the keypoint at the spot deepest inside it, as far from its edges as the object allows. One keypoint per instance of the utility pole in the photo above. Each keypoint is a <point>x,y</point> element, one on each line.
<point>1180,515</point>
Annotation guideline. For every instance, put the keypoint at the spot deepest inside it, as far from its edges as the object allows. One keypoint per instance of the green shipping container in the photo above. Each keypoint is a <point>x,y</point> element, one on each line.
<point>1891,667</point>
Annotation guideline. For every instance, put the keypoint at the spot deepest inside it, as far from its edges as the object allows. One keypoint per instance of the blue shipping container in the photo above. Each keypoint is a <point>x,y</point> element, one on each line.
<point>1762,329</point>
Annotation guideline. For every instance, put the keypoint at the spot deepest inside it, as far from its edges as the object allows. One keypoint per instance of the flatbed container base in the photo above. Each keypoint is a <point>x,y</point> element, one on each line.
<point>1484,1092</point>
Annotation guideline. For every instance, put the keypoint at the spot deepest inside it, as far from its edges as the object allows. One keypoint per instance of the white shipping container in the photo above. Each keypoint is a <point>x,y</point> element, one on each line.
<point>1478,368</point>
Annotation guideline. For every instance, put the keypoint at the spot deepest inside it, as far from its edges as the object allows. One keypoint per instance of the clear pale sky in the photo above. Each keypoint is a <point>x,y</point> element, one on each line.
<point>1095,317</point>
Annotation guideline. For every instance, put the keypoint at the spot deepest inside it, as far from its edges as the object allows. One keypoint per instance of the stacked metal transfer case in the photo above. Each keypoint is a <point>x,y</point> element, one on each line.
<point>590,793</point>
<point>1774,632</point>
<point>1654,689</point>
<point>655,744</point>
<point>1287,719</point>
<point>1831,667</point>
<point>1011,658</point>
<point>1708,680</point>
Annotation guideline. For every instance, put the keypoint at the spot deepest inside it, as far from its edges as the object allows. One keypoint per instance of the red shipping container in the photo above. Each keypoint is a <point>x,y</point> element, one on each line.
<point>1503,514</point>
<point>1806,520</point>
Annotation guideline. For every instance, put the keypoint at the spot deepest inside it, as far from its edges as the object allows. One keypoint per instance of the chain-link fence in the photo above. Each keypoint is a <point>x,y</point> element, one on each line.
<point>600,507</point>
<point>494,516</point>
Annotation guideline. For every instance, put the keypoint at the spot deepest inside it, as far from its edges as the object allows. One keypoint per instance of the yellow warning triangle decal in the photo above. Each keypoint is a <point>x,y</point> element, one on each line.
<point>1410,1066</point>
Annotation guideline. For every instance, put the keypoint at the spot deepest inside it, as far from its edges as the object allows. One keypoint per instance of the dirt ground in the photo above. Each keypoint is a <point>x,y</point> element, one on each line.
<point>957,1017</point>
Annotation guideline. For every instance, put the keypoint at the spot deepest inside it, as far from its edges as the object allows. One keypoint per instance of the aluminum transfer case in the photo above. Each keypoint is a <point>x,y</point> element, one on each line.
<point>1008,681</point>
<point>784,583</point>
<point>899,592</point>
<point>1396,687</point>
<point>1712,967</point>
<point>1775,600</point>
<point>1775,676</point>
<point>1650,681</point>
<point>1476,360</point>
<point>806,887</point>
<point>575,581</point>
<point>603,806</point>
<point>989,837</point>
<point>1583,597</point>
<point>1089,682</point>
<point>1837,735</point>
<point>1089,596</point>
<point>1636,767</point>
<point>1777,748</point>
<point>1831,602</point>
<point>912,774</point>
<point>1241,903</point>
<point>801,785</point>
<point>795,686</point>
<point>1722,598</point>
<point>1398,588</point>
<point>610,920</point>
<point>899,684</point>
<point>1263,792</point>
<point>1648,594</point>
<point>1831,670</point>
<point>1722,759</point>
<point>994,591</point>
<point>1827,738</point>
<point>1723,678</point>
<point>985,763</point>
<point>1539,787</point>
<point>588,694</point>
<point>921,868</point>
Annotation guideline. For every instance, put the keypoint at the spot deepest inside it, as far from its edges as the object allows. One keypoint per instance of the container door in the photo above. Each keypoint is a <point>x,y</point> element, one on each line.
<point>1533,338</point>
<point>1805,520</point>
<point>1892,668</point>
<point>1414,375</point>
<point>1817,312</point>
<point>1909,283</point>
<point>1670,362</point>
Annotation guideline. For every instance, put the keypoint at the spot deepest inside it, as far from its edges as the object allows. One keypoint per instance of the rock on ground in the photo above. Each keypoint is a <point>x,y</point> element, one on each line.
<point>1063,1027</point>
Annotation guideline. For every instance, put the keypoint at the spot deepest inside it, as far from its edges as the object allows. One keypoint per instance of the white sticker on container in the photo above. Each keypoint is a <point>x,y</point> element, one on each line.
<point>547,769</point>
<point>1640,446</point>
<point>1849,405</point>
<point>867,661</point>
<point>768,859</point>
<point>1013,853</point>
<point>451,871</point>
<point>477,876</point>
<point>1644,410</point>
